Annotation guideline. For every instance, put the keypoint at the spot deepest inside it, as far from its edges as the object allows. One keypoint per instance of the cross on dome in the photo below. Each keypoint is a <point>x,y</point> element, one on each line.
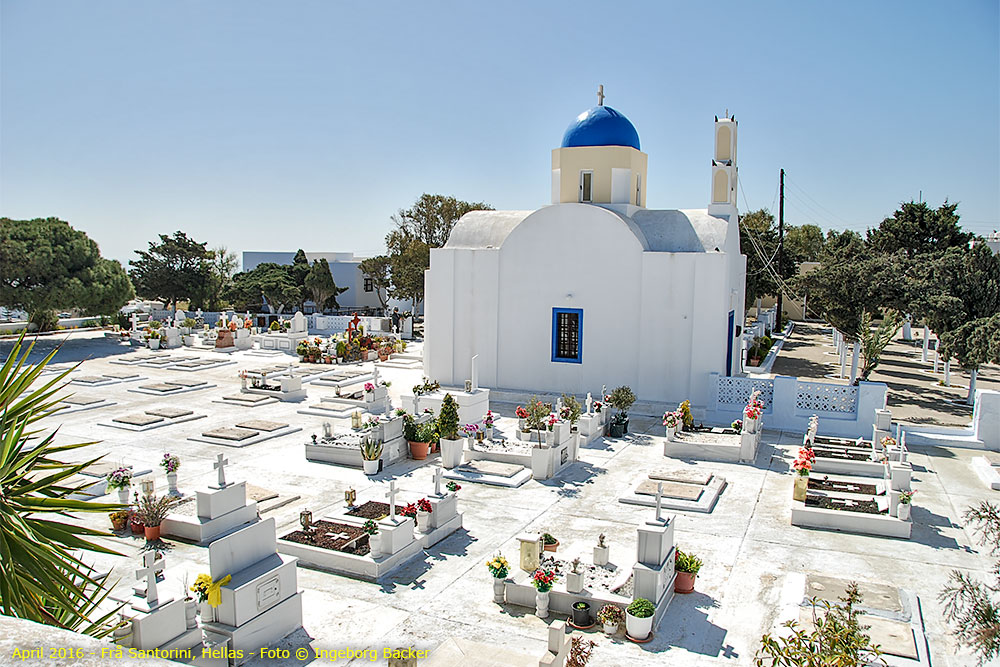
<point>600,95</point>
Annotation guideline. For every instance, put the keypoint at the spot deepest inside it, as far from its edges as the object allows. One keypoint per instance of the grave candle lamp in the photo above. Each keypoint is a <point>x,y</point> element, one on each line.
<point>356,419</point>
<point>147,487</point>
<point>305,518</point>
<point>350,496</point>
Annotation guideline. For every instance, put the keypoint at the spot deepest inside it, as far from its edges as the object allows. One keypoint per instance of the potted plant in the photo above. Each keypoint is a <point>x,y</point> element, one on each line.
<point>671,420</point>
<point>152,511</point>
<point>170,464</point>
<point>601,551</point>
<point>488,420</point>
<point>154,340</point>
<point>422,436</point>
<point>119,519</point>
<point>802,465</point>
<point>499,568</point>
<point>374,538</point>
<point>549,542</point>
<point>571,411</point>
<point>611,617</point>
<point>686,565</point>
<point>905,504</point>
<point>120,479</point>
<point>687,419</point>
<point>639,618</point>
<point>581,614</point>
<point>522,418</point>
<point>621,398</point>
<point>424,510</point>
<point>302,349</point>
<point>543,580</point>
<point>371,455</point>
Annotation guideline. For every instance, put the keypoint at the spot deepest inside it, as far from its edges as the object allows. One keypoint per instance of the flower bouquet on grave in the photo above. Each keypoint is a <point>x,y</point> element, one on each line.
<point>409,510</point>
<point>671,419</point>
<point>522,418</point>
<point>453,486</point>
<point>170,463</point>
<point>906,497</point>
<point>687,419</point>
<point>369,387</point>
<point>489,419</point>
<point>473,431</point>
<point>888,442</point>
<point>498,566</point>
<point>424,510</point>
<point>737,425</point>
<point>119,478</point>
<point>543,580</point>
<point>551,422</point>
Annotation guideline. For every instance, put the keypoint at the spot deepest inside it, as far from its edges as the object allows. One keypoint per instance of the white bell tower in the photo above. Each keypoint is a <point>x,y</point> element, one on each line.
<point>724,172</point>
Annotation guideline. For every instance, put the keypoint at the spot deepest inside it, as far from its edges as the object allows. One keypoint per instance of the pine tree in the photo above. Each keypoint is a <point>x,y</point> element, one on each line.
<point>448,418</point>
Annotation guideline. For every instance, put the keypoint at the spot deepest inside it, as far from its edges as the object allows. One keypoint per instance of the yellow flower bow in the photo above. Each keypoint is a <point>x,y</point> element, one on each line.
<point>215,592</point>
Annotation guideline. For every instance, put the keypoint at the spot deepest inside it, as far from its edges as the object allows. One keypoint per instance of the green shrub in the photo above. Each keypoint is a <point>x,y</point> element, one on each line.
<point>687,563</point>
<point>154,324</point>
<point>547,538</point>
<point>622,399</point>
<point>448,418</point>
<point>641,608</point>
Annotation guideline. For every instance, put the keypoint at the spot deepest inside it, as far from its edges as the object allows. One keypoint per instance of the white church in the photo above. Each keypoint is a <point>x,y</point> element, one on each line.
<point>594,289</point>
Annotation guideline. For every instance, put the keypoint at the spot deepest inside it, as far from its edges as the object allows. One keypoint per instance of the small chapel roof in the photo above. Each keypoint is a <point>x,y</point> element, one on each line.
<point>601,126</point>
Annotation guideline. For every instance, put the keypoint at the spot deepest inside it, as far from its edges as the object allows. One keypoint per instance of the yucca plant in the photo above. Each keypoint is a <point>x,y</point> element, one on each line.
<point>42,577</point>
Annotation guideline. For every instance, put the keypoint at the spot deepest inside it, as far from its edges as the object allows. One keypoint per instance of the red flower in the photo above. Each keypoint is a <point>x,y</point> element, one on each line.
<point>521,413</point>
<point>410,510</point>
<point>424,505</point>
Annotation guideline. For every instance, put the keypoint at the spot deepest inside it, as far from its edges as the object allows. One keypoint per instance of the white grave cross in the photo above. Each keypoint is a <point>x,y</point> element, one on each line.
<point>149,572</point>
<point>437,480</point>
<point>391,495</point>
<point>220,465</point>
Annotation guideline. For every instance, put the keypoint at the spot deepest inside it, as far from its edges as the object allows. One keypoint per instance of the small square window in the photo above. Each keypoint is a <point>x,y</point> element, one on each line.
<point>369,285</point>
<point>567,335</point>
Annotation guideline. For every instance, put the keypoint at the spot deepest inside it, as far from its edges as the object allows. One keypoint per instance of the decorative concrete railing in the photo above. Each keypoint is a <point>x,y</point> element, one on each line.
<point>843,411</point>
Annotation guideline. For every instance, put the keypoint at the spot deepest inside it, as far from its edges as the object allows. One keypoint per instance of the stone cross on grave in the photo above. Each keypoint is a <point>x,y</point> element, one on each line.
<point>659,520</point>
<point>590,403</point>
<point>375,376</point>
<point>148,571</point>
<point>437,480</point>
<point>220,465</point>
<point>391,495</point>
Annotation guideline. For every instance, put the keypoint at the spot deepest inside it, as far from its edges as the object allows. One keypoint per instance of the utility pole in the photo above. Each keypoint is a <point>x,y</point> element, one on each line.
<point>781,242</point>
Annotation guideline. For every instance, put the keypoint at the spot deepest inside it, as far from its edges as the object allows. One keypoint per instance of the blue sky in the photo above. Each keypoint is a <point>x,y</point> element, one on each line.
<point>279,125</point>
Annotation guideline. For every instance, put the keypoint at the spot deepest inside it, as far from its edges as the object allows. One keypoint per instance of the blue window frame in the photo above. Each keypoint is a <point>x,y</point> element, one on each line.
<point>567,335</point>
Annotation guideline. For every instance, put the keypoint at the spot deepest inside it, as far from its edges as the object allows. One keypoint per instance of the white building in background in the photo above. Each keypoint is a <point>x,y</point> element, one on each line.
<point>595,289</point>
<point>360,292</point>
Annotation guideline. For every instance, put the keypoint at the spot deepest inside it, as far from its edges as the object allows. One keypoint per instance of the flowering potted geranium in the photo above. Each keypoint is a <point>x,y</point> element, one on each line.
<point>671,420</point>
<point>170,464</point>
<point>802,465</point>
<point>522,418</point>
<point>374,538</point>
<point>499,568</point>
<point>611,617</point>
<point>120,480</point>
<point>424,510</point>
<point>542,580</point>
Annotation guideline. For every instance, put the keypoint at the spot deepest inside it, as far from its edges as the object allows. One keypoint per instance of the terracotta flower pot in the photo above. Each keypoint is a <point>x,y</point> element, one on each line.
<point>119,524</point>
<point>152,533</point>
<point>418,450</point>
<point>553,546</point>
<point>684,583</point>
<point>137,527</point>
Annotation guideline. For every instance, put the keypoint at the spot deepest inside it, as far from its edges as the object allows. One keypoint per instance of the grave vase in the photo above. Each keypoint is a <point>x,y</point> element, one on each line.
<point>601,555</point>
<point>154,343</point>
<point>671,431</point>
<point>423,521</point>
<point>122,636</point>
<point>172,484</point>
<point>375,545</point>
<point>750,425</point>
<point>488,432</point>
<point>542,604</point>
<point>207,612</point>
<point>903,511</point>
<point>123,495</point>
<point>522,425</point>
<point>499,585</point>
<point>574,582</point>
<point>190,613</point>
<point>800,488</point>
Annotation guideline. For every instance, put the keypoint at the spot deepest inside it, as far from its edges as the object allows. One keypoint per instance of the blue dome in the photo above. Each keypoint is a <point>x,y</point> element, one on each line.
<point>601,126</point>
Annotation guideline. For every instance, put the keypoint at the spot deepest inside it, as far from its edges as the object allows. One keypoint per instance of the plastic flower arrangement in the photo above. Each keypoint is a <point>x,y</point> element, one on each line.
<point>906,497</point>
<point>370,527</point>
<point>470,430</point>
<point>200,587</point>
<point>807,454</point>
<point>489,419</point>
<point>686,417</point>
<point>564,413</point>
<point>521,412</point>
<point>370,423</point>
<point>737,425</point>
<point>120,478</point>
<point>597,406</point>
<point>802,466</point>
<point>424,505</point>
<point>551,421</point>
<point>888,441</point>
<point>453,486</point>
<point>671,419</point>
<point>543,580</point>
<point>170,463</point>
<point>409,510</point>
<point>754,407</point>
<point>369,387</point>
<point>498,566</point>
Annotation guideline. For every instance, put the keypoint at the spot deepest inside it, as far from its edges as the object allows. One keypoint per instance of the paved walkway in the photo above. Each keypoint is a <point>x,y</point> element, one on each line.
<point>915,392</point>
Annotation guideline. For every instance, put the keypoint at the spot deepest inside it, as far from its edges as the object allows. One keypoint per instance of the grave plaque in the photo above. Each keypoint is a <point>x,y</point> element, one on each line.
<point>121,375</point>
<point>234,434</point>
<point>684,476</point>
<point>161,387</point>
<point>261,425</point>
<point>670,490</point>
<point>137,420</point>
<point>169,413</point>
<point>492,468</point>
<point>186,383</point>
<point>81,400</point>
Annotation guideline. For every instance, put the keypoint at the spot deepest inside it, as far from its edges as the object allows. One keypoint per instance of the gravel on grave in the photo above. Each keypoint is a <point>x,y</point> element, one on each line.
<point>502,446</point>
<point>727,437</point>
<point>373,510</point>
<point>595,576</point>
<point>843,487</point>
<point>863,506</point>
<point>330,535</point>
<point>346,440</point>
